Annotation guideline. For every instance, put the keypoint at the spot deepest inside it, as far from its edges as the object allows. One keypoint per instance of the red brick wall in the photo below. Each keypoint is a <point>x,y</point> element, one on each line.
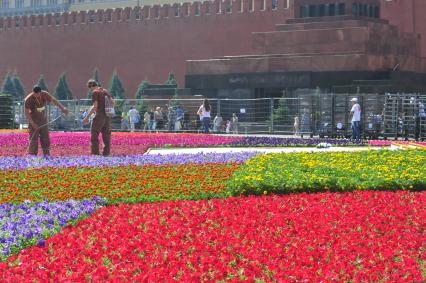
<point>150,48</point>
<point>408,15</point>
<point>146,49</point>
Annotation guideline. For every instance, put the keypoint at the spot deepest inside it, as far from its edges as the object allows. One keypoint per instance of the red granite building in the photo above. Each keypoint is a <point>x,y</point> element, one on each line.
<point>313,43</point>
<point>340,46</point>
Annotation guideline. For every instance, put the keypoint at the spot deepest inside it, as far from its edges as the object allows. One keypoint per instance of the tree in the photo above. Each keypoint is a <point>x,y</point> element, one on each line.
<point>143,85</point>
<point>67,88</point>
<point>171,79</point>
<point>62,91</point>
<point>117,91</point>
<point>281,114</point>
<point>174,102</point>
<point>8,85</point>
<point>141,106</point>
<point>116,88</point>
<point>19,88</point>
<point>95,77</point>
<point>42,84</point>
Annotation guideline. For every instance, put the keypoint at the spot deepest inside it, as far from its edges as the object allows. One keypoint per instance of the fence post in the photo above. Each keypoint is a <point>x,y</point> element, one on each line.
<point>271,126</point>
<point>218,106</point>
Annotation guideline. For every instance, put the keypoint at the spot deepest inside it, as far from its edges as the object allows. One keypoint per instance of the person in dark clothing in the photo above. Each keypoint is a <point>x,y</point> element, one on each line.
<point>101,123</point>
<point>35,110</point>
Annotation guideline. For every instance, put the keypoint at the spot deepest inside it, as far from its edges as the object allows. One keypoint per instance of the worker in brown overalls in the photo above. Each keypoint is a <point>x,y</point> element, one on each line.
<point>101,123</point>
<point>36,112</point>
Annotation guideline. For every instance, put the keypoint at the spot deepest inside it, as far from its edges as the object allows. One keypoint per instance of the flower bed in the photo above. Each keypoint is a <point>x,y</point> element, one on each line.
<point>121,138</point>
<point>122,183</point>
<point>334,171</point>
<point>73,150</point>
<point>361,237</point>
<point>275,141</point>
<point>71,144</point>
<point>388,143</point>
<point>90,160</point>
<point>29,223</point>
<point>65,144</point>
<point>367,236</point>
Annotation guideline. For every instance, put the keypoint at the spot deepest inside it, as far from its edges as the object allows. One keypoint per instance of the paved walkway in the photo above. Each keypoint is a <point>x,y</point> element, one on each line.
<point>258,149</point>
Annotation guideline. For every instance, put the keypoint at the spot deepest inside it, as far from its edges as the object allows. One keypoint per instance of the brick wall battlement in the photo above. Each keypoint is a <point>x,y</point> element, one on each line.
<point>147,14</point>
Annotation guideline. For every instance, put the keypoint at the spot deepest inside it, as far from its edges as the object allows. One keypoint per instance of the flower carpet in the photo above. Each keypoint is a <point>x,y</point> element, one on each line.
<point>78,143</point>
<point>214,217</point>
<point>398,143</point>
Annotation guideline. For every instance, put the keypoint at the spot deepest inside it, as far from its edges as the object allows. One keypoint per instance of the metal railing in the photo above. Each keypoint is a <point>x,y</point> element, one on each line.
<point>308,114</point>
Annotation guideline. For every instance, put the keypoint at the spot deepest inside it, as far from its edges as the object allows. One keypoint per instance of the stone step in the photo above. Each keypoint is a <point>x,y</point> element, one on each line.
<point>376,39</point>
<point>349,39</point>
<point>254,56</point>
<point>302,63</point>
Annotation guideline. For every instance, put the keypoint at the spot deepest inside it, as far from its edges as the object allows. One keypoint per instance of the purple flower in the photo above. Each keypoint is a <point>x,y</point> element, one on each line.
<point>28,224</point>
<point>18,163</point>
<point>275,141</point>
<point>41,243</point>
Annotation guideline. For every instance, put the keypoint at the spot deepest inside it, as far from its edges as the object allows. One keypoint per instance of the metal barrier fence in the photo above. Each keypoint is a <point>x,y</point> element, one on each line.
<point>305,114</point>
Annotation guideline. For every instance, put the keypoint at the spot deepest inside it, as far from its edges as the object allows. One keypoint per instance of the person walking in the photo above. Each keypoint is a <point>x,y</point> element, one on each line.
<point>102,122</point>
<point>179,118</point>
<point>356,119</point>
<point>171,118</point>
<point>217,123</point>
<point>146,121</point>
<point>228,126</point>
<point>234,123</point>
<point>133,118</point>
<point>205,113</point>
<point>420,120</point>
<point>35,109</point>
<point>151,119</point>
<point>158,119</point>
<point>124,121</point>
<point>296,126</point>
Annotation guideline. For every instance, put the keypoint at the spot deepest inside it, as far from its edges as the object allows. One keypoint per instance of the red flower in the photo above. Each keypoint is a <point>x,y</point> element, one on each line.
<point>359,236</point>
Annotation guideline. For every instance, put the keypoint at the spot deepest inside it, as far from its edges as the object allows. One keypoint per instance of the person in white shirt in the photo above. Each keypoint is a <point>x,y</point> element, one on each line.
<point>204,113</point>
<point>296,126</point>
<point>133,118</point>
<point>217,123</point>
<point>356,119</point>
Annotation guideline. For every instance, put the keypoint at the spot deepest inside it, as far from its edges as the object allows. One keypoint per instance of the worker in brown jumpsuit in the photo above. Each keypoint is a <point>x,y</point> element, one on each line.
<point>101,123</point>
<point>36,112</point>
